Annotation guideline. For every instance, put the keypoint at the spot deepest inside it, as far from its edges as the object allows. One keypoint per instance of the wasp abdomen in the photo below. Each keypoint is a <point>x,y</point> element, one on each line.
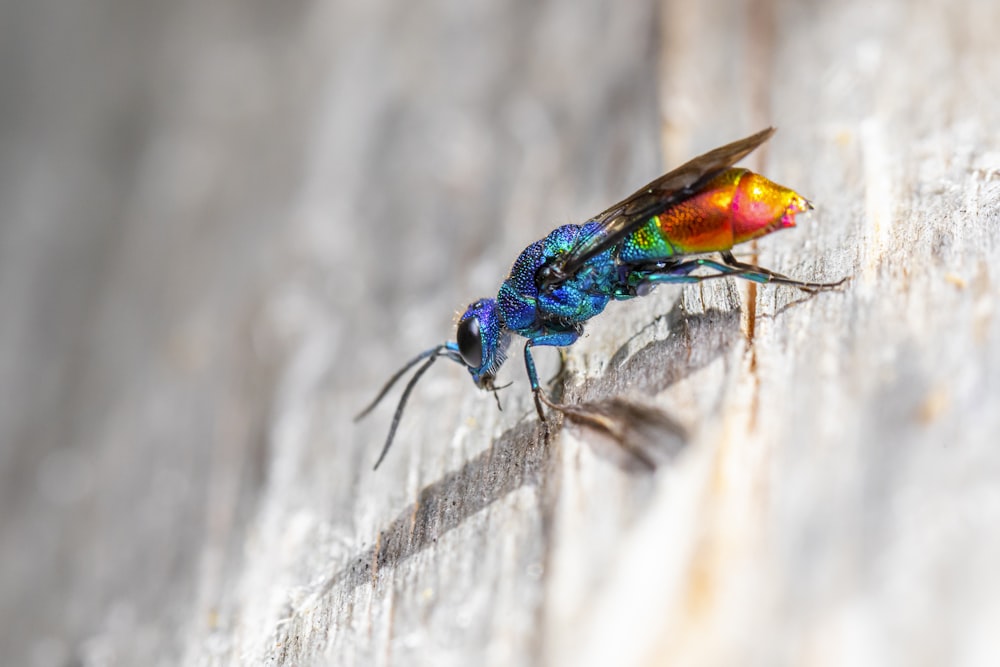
<point>735,206</point>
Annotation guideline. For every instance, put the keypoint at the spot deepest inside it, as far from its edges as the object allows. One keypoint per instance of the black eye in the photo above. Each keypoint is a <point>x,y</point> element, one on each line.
<point>469,344</point>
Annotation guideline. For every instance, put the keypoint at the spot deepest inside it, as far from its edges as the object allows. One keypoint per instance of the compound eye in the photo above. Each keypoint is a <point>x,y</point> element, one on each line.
<point>470,346</point>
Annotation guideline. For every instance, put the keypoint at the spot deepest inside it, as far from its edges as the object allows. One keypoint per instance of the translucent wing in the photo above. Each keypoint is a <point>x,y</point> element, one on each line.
<point>634,211</point>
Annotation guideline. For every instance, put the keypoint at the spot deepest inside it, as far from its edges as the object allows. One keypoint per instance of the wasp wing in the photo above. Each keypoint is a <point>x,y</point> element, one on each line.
<point>634,211</point>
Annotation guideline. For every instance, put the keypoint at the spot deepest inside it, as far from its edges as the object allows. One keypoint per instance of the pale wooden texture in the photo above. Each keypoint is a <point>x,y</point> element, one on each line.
<point>224,225</point>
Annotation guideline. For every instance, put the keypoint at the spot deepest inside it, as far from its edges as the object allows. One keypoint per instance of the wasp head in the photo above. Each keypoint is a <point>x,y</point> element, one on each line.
<point>482,341</point>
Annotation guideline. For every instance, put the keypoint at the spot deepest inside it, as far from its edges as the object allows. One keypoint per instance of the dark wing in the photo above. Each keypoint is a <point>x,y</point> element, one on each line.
<point>634,211</point>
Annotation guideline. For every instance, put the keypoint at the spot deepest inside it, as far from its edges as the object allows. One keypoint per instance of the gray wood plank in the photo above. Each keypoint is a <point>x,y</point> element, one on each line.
<point>222,226</point>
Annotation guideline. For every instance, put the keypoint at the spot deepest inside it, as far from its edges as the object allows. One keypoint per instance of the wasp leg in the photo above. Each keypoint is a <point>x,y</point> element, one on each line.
<point>680,273</point>
<point>559,339</point>
<point>751,271</point>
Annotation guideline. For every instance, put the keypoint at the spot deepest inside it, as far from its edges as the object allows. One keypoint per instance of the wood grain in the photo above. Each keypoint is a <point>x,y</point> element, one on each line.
<point>225,228</point>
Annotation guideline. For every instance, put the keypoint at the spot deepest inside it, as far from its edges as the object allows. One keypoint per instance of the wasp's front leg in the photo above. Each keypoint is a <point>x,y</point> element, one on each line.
<point>558,339</point>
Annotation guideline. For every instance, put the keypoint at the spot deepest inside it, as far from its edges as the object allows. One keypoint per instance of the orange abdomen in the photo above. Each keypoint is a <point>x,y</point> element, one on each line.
<point>735,206</point>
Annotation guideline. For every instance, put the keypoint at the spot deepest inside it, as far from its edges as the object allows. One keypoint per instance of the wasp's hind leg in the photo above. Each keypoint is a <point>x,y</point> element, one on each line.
<point>761,275</point>
<point>681,273</point>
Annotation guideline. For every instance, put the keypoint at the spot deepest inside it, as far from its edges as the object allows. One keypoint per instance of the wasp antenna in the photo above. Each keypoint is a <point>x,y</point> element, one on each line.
<point>434,351</point>
<point>402,400</point>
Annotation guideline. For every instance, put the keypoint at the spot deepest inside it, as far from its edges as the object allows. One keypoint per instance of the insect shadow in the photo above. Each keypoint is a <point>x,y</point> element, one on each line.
<point>520,456</point>
<point>641,436</point>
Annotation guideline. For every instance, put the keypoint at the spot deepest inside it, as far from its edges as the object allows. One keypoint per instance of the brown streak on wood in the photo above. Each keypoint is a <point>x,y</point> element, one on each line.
<point>760,55</point>
<point>413,518</point>
<point>751,326</point>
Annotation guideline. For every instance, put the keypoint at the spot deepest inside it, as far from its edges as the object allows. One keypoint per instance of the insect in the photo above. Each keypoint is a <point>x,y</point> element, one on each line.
<point>660,234</point>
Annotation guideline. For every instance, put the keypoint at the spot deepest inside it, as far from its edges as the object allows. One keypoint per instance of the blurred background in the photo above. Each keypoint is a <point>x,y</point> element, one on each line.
<point>223,224</point>
<point>209,208</point>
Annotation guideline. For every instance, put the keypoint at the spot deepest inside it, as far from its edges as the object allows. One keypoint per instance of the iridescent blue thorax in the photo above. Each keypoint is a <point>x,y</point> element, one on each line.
<point>531,312</point>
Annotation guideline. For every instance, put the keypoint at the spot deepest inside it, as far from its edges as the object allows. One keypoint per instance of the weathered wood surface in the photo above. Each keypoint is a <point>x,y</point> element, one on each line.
<point>223,225</point>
